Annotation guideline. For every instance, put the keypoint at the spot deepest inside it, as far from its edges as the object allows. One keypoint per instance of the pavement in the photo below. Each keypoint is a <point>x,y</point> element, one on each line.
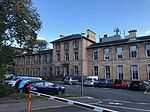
<point>40,104</point>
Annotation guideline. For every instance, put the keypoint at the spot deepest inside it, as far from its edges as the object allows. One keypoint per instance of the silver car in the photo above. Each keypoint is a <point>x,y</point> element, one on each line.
<point>70,80</point>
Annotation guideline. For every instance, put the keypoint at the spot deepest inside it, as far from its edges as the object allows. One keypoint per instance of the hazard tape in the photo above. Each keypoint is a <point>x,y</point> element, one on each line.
<point>76,103</point>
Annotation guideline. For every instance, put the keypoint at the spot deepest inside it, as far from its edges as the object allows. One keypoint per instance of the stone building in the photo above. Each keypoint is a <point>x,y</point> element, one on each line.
<point>111,57</point>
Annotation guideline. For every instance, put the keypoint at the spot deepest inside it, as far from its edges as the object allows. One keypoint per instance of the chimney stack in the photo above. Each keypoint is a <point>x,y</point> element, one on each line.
<point>132,33</point>
<point>91,35</point>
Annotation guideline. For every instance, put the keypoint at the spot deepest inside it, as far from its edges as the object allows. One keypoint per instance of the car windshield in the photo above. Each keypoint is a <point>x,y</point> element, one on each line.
<point>118,81</point>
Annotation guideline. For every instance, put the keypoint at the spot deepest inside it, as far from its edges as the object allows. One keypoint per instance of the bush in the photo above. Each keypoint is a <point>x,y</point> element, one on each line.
<point>6,90</point>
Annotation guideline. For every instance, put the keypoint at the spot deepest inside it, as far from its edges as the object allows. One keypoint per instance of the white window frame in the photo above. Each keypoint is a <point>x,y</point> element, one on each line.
<point>105,71</point>
<point>95,51</point>
<point>76,59</point>
<point>137,72</point>
<point>117,53</point>
<point>107,54</point>
<point>95,73</point>
<point>66,56</point>
<point>131,51</point>
<point>118,71</point>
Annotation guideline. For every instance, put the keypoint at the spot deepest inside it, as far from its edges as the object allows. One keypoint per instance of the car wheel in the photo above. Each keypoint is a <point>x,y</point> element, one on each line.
<point>60,93</point>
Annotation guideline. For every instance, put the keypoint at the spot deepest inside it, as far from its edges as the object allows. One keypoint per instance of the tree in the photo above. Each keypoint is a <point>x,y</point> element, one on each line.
<point>41,44</point>
<point>19,23</point>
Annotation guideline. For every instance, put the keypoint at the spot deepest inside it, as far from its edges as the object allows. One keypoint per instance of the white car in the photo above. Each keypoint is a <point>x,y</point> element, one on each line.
<point>90,82</point>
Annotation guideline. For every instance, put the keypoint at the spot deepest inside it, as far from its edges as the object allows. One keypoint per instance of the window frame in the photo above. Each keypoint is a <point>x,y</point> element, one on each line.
<point>76,56</point>
<point>147,51</point>
<point>106,72</point>
<point>107,54</point>
<point>95,56</point>
<point>137,72</point>
<point>132,51</point>
<point>117,53</point>
<point>118,74</point>
<point>95,71</point>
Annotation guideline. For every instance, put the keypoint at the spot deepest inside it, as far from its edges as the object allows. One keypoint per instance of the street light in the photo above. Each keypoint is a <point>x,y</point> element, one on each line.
<point>81,68</point>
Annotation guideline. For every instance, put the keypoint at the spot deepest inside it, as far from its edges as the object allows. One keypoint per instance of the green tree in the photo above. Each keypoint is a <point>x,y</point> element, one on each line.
<point>19,23</point>
<point>41,44</point>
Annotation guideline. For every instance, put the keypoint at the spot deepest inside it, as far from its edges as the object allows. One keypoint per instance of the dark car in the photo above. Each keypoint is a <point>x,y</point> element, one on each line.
<point>118,83</point>
<point>105,83</point>
<point>137,86</point>
<point>70,80</point>
<point>46,87</point>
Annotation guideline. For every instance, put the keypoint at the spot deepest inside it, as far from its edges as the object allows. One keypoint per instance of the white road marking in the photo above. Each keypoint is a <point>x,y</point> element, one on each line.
<point>127,108</point>
<point>121,101</point>
<point>115,103</point>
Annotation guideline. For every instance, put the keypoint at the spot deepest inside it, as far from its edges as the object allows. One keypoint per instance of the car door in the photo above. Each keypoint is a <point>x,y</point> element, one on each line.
<point>40,87</point>
<point>50,88</point>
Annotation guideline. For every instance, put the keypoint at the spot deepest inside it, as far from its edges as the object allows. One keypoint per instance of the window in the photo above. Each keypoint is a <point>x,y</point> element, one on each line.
<point>76,44</point>
<point>133,51</point>
<point>106,54</point>
<point>51,58</point>
<point>32,72</point>
<point>66,46</point>
<point>120,71</point>
<point>22,71</point>
<point>57,47</point>
<point>27,71</point>
<point>76,56</point>
<point>39,59</point>
<point>66,56</point>
<point>44,71</point>
<point>148,71</point>
<point>148,50</point>
<point>95,55</point>
<point>107,71</point>
<point>57,70</point>
<point>58,57</point>
<point>134,72</point>
<point>50,71</point>
<point>95,70</point>
<point>45,59</point>
<point>38,71</point>
<point>119,53</point>
<point>76,72</point>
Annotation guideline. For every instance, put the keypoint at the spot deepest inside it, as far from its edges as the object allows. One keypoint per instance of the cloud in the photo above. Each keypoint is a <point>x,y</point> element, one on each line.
<point>147,32</point>
<point>40,38</point>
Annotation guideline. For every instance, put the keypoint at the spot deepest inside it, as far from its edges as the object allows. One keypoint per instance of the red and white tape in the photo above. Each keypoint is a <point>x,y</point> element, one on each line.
<point>76,103</point>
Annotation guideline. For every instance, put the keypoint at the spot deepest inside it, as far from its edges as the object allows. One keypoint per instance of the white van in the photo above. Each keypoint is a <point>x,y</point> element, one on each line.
<point>92,77</point>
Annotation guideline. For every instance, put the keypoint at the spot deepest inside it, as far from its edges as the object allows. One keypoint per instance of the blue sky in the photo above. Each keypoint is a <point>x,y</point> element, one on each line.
<point>65,17</point>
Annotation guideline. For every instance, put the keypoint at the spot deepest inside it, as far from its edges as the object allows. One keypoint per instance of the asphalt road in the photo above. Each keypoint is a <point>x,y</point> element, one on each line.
<point>116,99</point>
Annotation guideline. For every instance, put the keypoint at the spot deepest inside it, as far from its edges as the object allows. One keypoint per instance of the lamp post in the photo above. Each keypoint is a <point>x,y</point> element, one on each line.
<point>81,67</point>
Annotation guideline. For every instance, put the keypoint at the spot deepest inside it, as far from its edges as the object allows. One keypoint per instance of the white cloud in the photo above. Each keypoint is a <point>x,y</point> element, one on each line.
<point>40,38</point>
<point>147,32</point>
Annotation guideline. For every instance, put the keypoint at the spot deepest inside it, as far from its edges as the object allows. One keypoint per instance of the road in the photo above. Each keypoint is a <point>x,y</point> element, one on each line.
<point>116,99</point>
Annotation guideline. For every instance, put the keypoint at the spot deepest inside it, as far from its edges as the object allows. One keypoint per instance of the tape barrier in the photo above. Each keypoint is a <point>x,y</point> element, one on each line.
<point>76,103</point>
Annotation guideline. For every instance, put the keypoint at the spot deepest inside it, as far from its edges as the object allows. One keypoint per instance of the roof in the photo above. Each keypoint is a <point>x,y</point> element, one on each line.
<point>119,42</point>
<point>36,53</point>
<point>70,37</point>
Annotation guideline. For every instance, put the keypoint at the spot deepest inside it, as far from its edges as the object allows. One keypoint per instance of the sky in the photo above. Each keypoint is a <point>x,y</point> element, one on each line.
<point>66,17</point>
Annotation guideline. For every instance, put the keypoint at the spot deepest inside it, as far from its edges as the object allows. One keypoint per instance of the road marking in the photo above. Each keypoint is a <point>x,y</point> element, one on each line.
<point>115,103</point>
<point>128,108</point>
<point>141,103</point>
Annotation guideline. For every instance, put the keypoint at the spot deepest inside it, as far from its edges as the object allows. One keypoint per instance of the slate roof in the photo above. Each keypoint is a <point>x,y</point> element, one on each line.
<point>70,37</point>
<point>36,53</point>
<point>119,42</point>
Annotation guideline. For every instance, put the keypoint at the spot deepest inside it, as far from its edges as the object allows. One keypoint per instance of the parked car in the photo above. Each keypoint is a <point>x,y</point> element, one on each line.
<point>20,84</point>
<point>137,85</point>
<point>90,82</point>
<point>118,83</point>
<point>105,82</point>
<point>70,80</point>
<point>46,87</point>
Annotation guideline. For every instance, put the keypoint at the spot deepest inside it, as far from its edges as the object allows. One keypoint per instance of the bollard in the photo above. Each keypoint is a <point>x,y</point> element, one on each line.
<point>29,102</point>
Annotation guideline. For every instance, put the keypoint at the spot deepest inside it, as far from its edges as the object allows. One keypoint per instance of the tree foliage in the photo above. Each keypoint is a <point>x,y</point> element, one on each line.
<point>19,23</point>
